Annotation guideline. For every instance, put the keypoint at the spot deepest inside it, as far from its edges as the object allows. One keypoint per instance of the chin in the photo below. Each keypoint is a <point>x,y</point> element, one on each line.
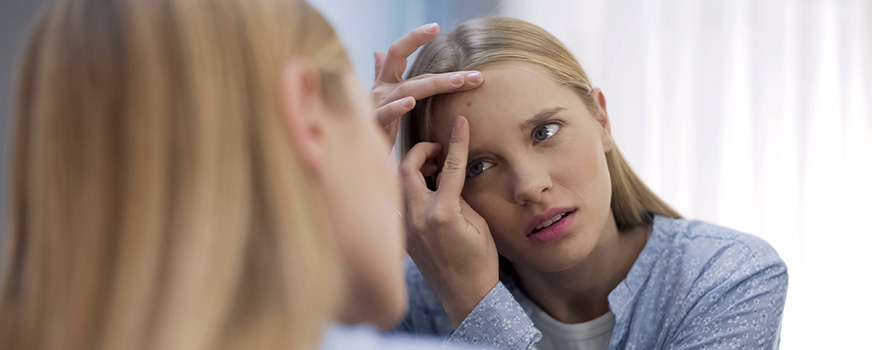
<point>559,260</point>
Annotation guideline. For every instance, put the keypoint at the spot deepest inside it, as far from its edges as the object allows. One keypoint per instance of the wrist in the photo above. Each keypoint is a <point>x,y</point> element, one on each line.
<point>458,304</point>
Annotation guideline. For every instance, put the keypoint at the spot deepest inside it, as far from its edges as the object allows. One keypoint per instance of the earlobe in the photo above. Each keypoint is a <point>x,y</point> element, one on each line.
<point>299,93</point>
<point>602,118</point>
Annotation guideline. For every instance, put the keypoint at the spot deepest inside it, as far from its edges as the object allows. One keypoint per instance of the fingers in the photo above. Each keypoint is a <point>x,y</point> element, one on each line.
<point>410,171</point>
<point>379,61</point>
<point>428,169</point>
<point>405,95</point>
<point>453,175</point>
<point>427,85</point>
<point>390,112</point>
<point>395,62</point>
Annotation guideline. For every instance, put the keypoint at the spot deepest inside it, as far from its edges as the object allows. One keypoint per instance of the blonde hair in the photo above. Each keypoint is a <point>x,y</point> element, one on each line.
<point>481,42</point>
<point>156,200</point>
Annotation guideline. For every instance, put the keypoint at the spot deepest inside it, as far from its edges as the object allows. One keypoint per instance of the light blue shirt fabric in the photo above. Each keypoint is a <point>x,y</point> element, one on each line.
<point>693,286</point>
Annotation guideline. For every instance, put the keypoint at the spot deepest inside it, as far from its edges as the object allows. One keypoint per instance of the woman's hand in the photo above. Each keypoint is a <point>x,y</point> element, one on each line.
<point>449,242</point>
<point>394,96</point>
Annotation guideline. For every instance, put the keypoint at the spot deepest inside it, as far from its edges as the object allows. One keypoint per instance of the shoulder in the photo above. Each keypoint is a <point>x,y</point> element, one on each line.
<point>723,285</point>
<point>699,244</point>
<point>706,260</point>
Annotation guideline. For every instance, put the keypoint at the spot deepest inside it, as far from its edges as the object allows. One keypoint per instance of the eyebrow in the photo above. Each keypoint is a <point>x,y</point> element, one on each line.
<point>540,117</point>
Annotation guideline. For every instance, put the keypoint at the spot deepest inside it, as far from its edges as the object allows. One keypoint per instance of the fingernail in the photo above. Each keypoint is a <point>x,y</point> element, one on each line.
<point>455,79</point>
<point>430,28</point>
<point>408,102</point>
<point>474,77</point>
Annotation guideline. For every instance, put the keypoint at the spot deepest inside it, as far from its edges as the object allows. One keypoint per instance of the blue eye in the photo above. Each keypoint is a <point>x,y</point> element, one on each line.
<point>477,167</point>
<point>545,131</point>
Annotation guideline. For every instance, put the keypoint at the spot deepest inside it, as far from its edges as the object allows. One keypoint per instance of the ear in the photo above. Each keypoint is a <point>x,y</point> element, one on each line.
<point>602,117</point>
<point>301,99</point>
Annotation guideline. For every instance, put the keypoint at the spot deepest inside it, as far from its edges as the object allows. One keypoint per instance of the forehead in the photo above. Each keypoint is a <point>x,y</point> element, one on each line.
<point>512,93</point>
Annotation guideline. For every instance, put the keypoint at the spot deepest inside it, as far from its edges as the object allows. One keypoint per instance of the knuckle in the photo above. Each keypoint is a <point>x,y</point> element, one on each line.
<point>380,112</point>
<point>392,50</point>
<point>417,225</point>
<point>406,170</point>
<point>453,163</point>
<point>378,91</point>
<point>385,117</point>
<point>404,89</point>
<point>440,217</point>
<point>439,83</point>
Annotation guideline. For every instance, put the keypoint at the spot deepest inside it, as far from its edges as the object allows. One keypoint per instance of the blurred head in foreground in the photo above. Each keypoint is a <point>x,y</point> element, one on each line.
<point>182,179</point>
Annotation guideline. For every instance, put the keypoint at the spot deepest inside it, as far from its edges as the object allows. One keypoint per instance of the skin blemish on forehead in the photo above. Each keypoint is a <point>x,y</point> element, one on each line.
<point>468,103</point>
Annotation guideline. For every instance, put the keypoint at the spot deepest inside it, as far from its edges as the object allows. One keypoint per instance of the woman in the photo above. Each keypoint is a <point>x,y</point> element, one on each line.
<point>181,181</point>
<point>535,227</point>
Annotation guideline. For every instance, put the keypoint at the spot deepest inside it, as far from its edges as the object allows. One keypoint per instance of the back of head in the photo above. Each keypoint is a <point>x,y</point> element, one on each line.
<point>155,199</point>
<point>486,41</point>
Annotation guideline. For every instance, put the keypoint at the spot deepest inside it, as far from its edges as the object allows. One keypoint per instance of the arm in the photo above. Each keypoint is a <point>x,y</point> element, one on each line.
<point>744,311</point>
<point>450,243</point>
<point>498,321</point>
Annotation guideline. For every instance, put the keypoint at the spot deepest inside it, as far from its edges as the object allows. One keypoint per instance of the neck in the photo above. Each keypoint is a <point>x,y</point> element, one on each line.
<point>580,293</point>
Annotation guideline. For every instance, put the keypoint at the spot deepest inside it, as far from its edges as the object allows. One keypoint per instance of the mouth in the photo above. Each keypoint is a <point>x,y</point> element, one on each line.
<point>550,222</point>
<point>548,219</point>
<point>556,225</point>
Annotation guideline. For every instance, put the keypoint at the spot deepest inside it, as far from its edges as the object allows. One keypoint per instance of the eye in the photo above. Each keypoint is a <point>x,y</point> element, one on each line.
<point>544,131</point>
<point>477,167</point>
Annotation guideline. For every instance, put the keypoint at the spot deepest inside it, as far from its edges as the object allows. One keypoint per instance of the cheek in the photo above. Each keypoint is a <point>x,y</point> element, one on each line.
<point>480,200</point>
<point>586,175</point>
<point>496,211</point>
<point>581,158</point>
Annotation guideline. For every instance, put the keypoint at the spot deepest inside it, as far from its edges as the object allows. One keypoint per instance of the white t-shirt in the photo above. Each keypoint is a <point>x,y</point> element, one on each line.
<point>556,335</point>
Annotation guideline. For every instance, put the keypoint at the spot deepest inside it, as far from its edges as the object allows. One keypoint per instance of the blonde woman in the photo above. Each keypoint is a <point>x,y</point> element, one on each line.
<point>182,179</point>
<point>534,231</point>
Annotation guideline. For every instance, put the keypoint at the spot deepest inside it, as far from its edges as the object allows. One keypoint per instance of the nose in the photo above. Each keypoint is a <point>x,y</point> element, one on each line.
<point>531,183</point>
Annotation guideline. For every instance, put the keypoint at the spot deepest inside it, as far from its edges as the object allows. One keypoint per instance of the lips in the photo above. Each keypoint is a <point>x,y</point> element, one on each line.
<point>549,222</point>
<point>548,218</point>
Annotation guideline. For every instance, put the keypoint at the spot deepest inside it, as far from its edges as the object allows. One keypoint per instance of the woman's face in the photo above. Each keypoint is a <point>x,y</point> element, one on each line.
<point>536,154</point>
<point>363,199</point>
